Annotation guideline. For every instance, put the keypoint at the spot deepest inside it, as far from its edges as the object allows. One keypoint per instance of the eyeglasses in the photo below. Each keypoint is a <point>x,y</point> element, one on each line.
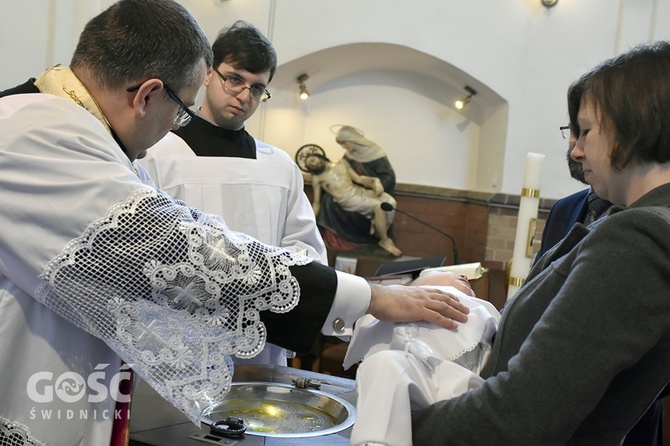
<point>566,133</point>
<point>184,114</point>
<point>237,86</point>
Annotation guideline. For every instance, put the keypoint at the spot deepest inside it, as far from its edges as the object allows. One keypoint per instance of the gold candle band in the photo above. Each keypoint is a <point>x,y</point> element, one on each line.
<point>516,281</point>
<point>531,193</point>
<point>532,224</point>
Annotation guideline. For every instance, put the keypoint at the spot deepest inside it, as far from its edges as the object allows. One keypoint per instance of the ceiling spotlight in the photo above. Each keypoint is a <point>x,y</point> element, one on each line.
<point>549,3</point>
<point>459,104</point>
<point>304,94</point>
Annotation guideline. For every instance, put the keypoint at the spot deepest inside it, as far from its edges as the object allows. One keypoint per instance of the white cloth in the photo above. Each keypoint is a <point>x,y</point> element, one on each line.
<point>262,197</point>
<point>133,274</point>
<point>410,366</point>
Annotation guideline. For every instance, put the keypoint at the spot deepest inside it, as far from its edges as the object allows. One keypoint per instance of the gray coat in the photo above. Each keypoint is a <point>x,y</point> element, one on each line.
<point>584,346</point>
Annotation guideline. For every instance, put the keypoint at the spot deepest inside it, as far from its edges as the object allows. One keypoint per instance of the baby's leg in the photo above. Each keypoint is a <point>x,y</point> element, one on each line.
<point>384,382</point>
<point>391,384</point>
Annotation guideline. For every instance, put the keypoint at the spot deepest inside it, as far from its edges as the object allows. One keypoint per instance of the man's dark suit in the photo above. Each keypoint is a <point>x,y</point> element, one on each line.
<point>563,215</point>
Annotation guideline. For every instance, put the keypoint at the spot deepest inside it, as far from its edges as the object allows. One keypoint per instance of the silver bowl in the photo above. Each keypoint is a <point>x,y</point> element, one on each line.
<point>282,410</point>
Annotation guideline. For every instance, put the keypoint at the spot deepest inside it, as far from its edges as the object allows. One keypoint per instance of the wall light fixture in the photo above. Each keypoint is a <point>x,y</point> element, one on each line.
<point>304,94</point>
<point>460,103</point>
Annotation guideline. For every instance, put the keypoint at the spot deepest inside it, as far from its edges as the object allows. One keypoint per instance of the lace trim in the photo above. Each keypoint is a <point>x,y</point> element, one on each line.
<point>16,434</point>
<point>173,291</point>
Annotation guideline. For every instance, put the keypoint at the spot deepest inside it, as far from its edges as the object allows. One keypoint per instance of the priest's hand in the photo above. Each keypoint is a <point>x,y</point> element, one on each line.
<point>399,303</point>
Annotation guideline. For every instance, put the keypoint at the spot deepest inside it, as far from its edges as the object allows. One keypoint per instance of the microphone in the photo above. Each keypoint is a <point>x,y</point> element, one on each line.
<point>388,207</point>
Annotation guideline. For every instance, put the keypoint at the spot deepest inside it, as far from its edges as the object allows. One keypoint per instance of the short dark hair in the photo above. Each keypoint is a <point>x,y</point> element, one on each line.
<point>632,95</point>
<point>575,93</point>
<point>574,101</point>
<point>135,40</point>
<point>244,47</point>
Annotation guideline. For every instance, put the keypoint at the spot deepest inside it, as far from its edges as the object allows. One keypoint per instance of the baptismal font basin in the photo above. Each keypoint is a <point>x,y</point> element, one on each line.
<point>282,410</point>
<point>155,422</point>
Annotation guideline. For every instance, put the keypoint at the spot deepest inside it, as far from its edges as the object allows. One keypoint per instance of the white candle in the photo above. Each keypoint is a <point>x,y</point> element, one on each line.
<point>525,228</point>
<point>531,179</point>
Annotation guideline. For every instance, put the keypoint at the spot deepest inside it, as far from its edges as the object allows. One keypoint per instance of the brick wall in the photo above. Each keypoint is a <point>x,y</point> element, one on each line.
<point>465,222</point>
<point>483,231</point>
<point>483,228</point>
<point>501,233</point>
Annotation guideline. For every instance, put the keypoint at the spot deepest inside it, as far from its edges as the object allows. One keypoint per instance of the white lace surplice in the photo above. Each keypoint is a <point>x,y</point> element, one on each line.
<point>172,294</point>
<point>262,197</point>
<point>171,290</point>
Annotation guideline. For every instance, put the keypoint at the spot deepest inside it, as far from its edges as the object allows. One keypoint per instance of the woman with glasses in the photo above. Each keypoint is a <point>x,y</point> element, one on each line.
<point>583,348</point>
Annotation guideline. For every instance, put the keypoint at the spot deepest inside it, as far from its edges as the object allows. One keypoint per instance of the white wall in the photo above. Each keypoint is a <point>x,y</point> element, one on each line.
<point>519,56</point>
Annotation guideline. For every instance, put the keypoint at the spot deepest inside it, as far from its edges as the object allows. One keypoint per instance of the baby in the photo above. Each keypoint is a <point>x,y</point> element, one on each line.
<point>409,366</point>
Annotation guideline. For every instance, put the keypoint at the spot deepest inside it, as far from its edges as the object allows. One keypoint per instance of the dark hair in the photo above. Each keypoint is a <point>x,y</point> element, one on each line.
<point>244,47</point>
<point>575,93</point>
<point>135,40</point>
<point>574,101</point>
<point>632,96</point>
